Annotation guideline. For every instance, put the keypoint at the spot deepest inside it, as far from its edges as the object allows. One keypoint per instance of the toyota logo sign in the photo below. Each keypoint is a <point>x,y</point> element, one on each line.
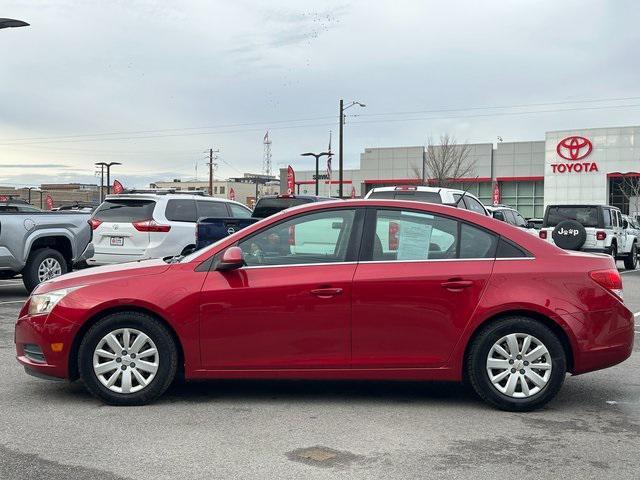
<point>574,148</point>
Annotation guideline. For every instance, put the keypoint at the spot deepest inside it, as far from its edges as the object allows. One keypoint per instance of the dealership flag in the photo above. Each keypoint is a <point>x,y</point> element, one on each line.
<point>49,201</point>
<point>3,198</point>
<point>329,163</point>
<point>496,193</point>
<point>117,187</point>
<point>232,194</point>
<point>291,181</point>
<point>353,192</point>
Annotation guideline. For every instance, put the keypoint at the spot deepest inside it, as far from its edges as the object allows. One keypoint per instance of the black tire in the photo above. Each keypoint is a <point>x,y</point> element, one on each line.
<point>614,251</point>
<point>631,260</point>
<point>476,363</point>
<point>158,333</point>
<point>30,271</point>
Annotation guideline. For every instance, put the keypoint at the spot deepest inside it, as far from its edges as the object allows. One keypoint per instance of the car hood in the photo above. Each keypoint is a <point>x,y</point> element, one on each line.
<point>94,275</point>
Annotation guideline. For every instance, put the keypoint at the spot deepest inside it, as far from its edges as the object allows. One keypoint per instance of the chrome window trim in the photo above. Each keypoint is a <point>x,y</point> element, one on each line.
<point>388,261</point>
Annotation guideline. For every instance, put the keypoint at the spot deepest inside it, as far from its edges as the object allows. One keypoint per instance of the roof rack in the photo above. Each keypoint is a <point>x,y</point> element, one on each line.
<point>166,191</point>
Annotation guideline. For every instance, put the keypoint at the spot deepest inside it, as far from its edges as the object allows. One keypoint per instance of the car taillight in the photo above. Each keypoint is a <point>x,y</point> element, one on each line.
<point>542,234</point>
<point>393,235</point>
<point>609,279</point>
<point>601,235</point>
<point>292,235</point>
<point>94,223</point>
<point>150,226</point>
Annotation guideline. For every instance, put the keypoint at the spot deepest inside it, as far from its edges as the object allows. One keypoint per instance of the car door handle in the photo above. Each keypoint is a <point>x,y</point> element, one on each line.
<point>457,284</point>
<point>326,292</point>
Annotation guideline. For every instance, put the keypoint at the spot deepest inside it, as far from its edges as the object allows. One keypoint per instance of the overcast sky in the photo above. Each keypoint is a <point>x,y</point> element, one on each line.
<point>81,83</point>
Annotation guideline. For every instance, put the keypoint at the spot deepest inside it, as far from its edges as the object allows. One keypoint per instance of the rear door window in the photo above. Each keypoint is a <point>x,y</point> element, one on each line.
<point>474,205</point>
<point>476,242</point>
<point>181,211</point>
<point>607,217</point>
<point>412,195</point>
<point>125,210</point>
<point>508,215</point>
<point>238,211</point>
<point>520,221</point>
<point>212,209</point>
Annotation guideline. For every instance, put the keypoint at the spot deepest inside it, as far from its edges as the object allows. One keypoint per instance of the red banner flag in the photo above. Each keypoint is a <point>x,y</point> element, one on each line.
<point>291,181</point>
<point>232,194</point>
<point>4,198</point>
<point>496,193</point>
<point>49,202</point>
<point>117,187</point>
<point>353,192</point>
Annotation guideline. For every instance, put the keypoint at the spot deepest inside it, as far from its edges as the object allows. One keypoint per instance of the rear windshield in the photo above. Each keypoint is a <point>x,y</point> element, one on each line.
<point>416,196</point>
<point>587,216</point>
<point>125,210</point>
<point>270,206</point>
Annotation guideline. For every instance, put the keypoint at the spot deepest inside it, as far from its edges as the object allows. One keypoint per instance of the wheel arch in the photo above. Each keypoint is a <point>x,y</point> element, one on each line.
<point>544,319</point>
<point>75,346</point>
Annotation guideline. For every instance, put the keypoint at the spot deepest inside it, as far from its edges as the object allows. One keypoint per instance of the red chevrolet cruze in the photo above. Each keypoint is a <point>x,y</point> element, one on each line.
<point>363,289</point>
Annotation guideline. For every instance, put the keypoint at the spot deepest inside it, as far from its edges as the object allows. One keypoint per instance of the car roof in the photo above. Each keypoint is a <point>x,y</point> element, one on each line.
<point>170,196</point>
<point>418,188</point>
<point>314,198</point>
<point>518,235</point>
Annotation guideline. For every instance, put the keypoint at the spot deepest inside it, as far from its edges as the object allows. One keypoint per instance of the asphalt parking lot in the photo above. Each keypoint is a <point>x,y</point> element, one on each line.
<point>310,430</point>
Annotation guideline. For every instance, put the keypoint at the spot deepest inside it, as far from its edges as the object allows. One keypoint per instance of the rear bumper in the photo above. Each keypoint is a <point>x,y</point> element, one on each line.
<point>597,250</point>
<point>101,258</point>
<point>604,338</point>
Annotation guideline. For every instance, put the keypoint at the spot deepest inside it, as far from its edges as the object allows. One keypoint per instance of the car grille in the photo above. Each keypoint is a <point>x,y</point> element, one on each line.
<point>33,353</point>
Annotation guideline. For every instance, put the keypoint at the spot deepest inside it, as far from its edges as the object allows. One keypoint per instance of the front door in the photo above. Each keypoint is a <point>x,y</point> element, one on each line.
<point>417,287</point>
<point>290,306</point>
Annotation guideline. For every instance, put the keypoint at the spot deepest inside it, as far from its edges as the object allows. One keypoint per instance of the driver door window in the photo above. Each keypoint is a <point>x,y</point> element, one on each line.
<point>320,237</point>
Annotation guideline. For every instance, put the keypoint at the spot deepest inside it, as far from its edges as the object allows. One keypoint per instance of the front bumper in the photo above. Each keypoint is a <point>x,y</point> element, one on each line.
<point>54,338</point>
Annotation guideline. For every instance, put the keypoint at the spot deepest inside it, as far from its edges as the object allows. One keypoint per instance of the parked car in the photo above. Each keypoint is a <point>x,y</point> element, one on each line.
<point>359,291</point>
<point>209,230</point>
<point>511,216</point>
<point>15,205</point>
<point>632,228</point>
<point>536,222</point>
<point>155,224</point>
<point>445,196</point>
<point>590,228</point>
<point>42,245</point>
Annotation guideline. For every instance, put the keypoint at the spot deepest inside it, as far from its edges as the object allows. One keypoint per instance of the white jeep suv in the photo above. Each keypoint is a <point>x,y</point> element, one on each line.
<point>154,224</point>
<point>590,228</point>
<point>446,196</point>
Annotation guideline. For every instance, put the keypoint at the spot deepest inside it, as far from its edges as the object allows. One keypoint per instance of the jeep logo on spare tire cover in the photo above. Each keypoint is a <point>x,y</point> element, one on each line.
<point>569,235</point>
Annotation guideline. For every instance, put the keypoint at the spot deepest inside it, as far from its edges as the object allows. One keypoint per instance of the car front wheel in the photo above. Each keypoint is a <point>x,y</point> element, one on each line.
<point>127,358</point>
<point>516,364</point>
<point>631,260</point>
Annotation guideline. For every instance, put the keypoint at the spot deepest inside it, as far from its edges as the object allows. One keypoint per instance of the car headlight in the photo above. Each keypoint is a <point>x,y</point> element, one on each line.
<point>44,302</point>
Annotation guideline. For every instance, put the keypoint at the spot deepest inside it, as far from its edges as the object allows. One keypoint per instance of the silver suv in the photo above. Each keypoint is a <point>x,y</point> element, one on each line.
<point>590,228</point>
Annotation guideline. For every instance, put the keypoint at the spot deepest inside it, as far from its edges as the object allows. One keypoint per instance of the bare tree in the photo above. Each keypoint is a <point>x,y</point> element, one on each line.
<point>446,163</point>
<point>630,190</point>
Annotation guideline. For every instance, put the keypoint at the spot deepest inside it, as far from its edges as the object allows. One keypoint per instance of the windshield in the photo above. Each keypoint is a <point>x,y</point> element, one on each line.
<point>587,216</point>
<point>122,210</point>
<point>270,206</point>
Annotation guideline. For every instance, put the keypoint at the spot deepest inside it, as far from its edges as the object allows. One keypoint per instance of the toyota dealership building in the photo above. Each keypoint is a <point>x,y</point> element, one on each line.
<point>568,166</point>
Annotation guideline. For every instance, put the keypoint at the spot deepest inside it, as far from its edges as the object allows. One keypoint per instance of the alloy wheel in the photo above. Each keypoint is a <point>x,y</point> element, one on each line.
<point>519,365</point>
<point>125,360</point>
<point>49,268</point>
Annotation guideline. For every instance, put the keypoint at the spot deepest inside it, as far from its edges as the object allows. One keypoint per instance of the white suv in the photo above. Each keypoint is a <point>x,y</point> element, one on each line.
<point>446,196</point>
<point>590,228</point>
<point>138,226</point>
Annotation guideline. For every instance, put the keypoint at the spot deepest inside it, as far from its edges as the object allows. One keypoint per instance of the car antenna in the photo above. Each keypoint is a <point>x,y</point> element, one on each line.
<point>463,194</point>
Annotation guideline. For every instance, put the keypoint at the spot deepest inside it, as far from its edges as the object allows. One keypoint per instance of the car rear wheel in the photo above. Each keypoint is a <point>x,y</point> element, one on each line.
<point>631,260</point>
<point>127,358</point>
<point>516,364</point>
<point>43,264</point>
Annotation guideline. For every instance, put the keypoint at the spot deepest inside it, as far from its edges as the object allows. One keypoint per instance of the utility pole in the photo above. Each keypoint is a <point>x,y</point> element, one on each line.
<point>340,151</point>
<point>211,165</point>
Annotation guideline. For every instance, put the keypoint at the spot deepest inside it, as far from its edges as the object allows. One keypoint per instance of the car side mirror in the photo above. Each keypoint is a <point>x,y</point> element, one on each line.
<point>232,258</point>
<point>625,224</point>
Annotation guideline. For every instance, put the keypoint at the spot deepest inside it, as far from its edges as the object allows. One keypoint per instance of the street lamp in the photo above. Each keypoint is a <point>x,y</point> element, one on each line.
<point>317,155</point>
<point>340,168</point>
<point>102,166</point>
<point>11,23</point>
<point>29,193</point>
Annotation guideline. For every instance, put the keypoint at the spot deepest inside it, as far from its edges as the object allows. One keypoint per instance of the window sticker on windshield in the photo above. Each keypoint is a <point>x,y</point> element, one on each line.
<point>413,241</point>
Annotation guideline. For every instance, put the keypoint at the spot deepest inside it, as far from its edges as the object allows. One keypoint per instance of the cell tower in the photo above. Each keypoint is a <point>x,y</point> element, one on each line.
<point>266,159</point>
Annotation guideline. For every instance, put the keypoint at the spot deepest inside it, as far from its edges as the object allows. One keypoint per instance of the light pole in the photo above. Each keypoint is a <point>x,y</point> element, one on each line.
<point>29,194</point>
<point>340,168</point>
<point>11,23</point>
<point>108,166</point>
<point>317,156</point>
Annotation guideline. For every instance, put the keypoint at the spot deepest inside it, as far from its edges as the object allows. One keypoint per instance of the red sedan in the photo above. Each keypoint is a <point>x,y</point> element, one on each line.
<point>363,289</point>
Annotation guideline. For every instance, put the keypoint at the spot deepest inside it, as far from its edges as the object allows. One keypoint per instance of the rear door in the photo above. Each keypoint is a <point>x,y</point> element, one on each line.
<point>116,233</point>
<point>416,286</point>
